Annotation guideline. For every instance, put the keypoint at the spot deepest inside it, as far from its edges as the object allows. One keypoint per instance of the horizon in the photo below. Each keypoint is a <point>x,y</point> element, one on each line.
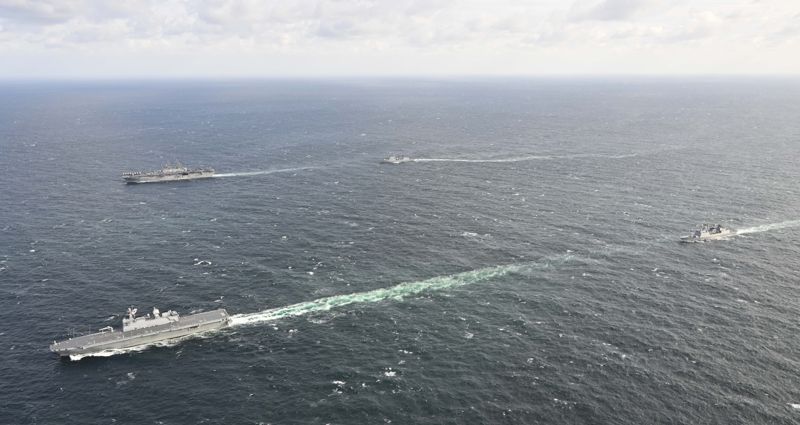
<point>454,78</point>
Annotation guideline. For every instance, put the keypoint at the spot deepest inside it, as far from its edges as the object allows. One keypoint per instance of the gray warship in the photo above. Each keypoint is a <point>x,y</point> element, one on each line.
<point>141,331</point>
<point>168,173</point>
<point>396,159</point>
<point>708,232</point>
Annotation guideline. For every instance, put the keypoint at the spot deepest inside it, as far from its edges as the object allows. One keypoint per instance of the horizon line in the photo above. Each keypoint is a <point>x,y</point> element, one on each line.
<point>373,77</point>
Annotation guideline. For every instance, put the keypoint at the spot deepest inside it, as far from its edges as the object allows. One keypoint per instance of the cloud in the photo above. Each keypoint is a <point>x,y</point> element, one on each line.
<point>422,35</point>
<point>348,24</point>
<point>606,10</point>
<point>38,12</point>
<point>700,26</point>
<point>790,31</point>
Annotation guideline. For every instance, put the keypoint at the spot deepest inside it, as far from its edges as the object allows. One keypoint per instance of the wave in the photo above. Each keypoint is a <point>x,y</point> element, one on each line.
<point>258,173</point>
<point>397,292</point>
<point>768,227</point>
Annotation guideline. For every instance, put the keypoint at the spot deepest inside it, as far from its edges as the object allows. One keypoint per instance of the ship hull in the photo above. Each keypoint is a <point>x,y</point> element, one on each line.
<point>117,340</point>
<point>708,237</point>
<point>167,178</point>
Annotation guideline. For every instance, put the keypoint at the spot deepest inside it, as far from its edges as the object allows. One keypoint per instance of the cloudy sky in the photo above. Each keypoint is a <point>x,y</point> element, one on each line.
<point>263,38</point>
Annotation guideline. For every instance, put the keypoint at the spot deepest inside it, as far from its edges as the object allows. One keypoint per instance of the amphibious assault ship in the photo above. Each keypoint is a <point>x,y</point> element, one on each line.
<point>167,174</point>
<point>142,331</point>
<point>708,232</point>
<point>396,160</point>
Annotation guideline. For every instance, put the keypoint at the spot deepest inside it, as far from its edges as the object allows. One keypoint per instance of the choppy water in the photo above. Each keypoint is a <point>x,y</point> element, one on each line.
<point>523,269</point>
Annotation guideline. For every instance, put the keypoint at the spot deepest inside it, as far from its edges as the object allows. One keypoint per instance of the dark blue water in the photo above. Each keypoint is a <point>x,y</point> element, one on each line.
<point>525,270</point>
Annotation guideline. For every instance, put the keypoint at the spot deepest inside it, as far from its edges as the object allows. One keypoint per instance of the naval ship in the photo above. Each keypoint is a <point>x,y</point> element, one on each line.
<point>167,174</point>
<point>396,160</point>
<point>141,331</point>
<point>708,232</point>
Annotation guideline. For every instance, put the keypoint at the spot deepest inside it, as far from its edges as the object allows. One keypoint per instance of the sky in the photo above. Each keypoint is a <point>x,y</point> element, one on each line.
<point>90,39</point>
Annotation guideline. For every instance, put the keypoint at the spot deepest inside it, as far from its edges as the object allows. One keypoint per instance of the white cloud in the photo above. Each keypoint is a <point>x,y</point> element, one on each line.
<point>606,10</point>
<point>38,12</point>
<point>269,37</point>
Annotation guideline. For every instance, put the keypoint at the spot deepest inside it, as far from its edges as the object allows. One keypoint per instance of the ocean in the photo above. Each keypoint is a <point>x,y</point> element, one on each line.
<point>523,269</point>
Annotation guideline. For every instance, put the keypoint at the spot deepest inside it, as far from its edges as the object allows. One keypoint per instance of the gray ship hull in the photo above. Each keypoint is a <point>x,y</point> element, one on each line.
<point>396,160</point>
<point>144,178</point>
<point>705,236</point>
<point>119,340</point>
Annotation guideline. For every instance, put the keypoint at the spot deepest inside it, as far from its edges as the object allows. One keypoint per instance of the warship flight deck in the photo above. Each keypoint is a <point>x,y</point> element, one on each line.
<point>141,331</point>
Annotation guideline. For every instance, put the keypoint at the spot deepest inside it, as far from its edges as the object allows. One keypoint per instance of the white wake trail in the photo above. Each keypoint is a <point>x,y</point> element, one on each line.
<point>397,292</point>
<point>527,158</point>
<point>515,159</point>
<point>768,227</point>
<point>258,173</point>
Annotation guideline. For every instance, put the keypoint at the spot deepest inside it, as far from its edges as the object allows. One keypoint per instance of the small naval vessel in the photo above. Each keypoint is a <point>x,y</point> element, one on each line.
<point>168,173</point>
<point>396,160</point>
<point>708,232</point>
<point>141,331</point>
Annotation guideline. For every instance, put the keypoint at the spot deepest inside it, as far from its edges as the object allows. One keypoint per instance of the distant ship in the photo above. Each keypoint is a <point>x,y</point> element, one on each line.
<point>708,232</point>
<point>141,331</point>
<point>167,174</point>
<point>396,160</point>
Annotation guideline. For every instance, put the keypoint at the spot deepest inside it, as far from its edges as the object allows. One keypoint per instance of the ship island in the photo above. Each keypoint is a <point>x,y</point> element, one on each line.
<point>168,173</point>
<point>142,331</point>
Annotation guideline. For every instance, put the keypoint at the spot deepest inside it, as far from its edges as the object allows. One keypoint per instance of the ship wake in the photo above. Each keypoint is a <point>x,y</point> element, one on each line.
<point>396,293</point>
<point>769,227</point>
<point>264,172</point>
<point>526,158</point>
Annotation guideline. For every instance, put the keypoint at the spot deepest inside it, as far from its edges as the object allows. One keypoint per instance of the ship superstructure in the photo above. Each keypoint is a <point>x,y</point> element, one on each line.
<point>167,174</point>
<point>708,232</point>
<point>141,331</point>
